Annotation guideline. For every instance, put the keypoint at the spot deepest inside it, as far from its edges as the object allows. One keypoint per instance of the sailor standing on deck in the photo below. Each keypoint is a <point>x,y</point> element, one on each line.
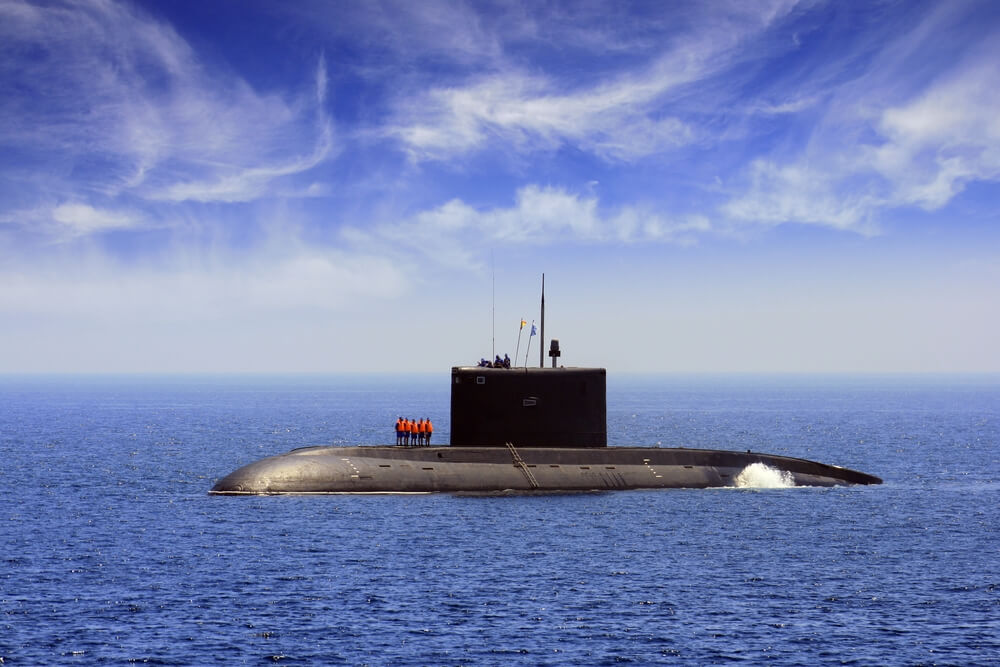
<point>428,430</point>
<point>422,427</point>
<point>399,431</point>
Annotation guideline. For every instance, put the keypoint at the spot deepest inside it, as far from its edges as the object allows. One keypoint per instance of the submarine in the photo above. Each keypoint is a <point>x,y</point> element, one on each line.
<point>518,430</point>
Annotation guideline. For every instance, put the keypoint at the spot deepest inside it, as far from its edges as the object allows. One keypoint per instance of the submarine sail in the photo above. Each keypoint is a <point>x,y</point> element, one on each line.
<point>529,407</point>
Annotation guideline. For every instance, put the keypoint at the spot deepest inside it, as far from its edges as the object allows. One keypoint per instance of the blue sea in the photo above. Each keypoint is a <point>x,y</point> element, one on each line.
<point>113,551</point>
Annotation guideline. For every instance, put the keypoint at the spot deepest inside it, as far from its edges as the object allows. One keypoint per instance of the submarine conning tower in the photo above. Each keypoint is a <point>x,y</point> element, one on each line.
<point>528,407</point>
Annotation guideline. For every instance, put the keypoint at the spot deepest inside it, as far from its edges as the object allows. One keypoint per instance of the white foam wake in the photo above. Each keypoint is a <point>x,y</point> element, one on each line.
<point>761,476</point>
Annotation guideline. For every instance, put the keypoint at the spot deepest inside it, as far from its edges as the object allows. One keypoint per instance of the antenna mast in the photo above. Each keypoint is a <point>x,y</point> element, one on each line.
<point>541,339</point>
<point>493,306</point>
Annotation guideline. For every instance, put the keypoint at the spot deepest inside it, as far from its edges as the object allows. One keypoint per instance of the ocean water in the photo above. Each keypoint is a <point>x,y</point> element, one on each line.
<point>111,551</point>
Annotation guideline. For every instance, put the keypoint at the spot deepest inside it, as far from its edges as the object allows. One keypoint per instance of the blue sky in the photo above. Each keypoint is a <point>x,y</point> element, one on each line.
<point>337,186</point>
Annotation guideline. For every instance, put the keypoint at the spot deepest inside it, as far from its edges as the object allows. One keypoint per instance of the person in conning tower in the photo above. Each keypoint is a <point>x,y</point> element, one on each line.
<point>506,361</point>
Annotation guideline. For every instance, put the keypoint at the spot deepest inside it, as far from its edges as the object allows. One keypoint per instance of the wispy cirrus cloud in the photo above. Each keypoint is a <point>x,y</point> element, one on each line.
<point>526,114</point>
<point>125,102</point>
<point>948,136</point>
<point>619,114</point>
<point>803,194</point>
<point>894,136</point>
<point>236,184</point>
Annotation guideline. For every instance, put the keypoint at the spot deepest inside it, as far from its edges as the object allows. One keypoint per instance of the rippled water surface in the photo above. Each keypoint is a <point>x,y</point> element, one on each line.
<point>113,551</point>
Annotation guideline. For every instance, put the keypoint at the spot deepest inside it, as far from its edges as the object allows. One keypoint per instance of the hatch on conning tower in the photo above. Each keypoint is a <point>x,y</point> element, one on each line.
<point>528,407</point>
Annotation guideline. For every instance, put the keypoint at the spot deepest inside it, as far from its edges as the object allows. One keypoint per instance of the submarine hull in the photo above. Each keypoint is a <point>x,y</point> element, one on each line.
<point>456,469</point>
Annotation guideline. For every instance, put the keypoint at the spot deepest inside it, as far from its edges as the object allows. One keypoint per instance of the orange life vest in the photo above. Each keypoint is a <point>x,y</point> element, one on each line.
<point>429,427</point>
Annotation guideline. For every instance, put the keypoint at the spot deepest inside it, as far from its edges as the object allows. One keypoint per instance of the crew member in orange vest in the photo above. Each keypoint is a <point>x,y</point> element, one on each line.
<point>428,430</point>
<point>421,430</point>
<point>407,426</point>
<point>399,431</point>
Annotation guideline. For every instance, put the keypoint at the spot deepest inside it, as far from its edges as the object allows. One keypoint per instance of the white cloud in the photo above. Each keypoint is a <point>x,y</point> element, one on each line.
<point>889,139</point>
<point>454,233</point>
<point>803,194</point>
<point>71,220</point>
<point>947,137</point>
<point>81,219</point>
<point>526,113</point>
<point>123,94</point>
<point>790,106</point>
<point>620,116</point>
<point>633,224</point>
<point>240,185</point>
<point>263,286</point>
<point>281,308</point>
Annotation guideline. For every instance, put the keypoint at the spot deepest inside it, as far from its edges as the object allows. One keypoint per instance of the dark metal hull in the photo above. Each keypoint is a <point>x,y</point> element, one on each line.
<point>453,469</point>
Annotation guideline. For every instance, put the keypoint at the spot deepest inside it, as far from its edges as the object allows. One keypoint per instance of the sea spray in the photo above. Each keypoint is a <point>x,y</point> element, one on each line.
<point>761,476</point>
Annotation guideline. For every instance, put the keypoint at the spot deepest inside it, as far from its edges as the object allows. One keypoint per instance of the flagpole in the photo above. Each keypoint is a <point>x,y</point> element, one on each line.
<point>527,350</point>
<point>518,348</point>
